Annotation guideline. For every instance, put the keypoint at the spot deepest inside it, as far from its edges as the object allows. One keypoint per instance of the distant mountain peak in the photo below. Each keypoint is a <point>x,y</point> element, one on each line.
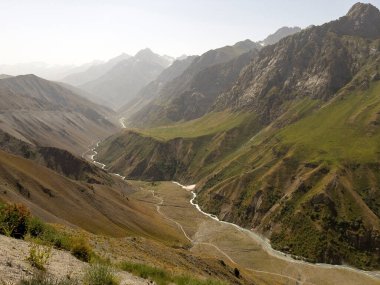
<point>246,43</point>
<point>145,52</point>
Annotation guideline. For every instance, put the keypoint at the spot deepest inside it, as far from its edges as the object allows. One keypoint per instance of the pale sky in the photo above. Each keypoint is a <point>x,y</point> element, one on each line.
<point>79,31</point>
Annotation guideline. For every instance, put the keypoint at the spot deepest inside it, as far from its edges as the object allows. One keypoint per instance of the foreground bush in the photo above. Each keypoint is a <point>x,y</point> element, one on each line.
<point>99,274</point>
<point>48,235</point>
<point>14,220</point>
<point>81,249</point>
<point>39,256</point>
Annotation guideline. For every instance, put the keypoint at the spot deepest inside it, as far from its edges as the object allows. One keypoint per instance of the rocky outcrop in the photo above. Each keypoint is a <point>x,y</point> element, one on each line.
<point>314,63</point>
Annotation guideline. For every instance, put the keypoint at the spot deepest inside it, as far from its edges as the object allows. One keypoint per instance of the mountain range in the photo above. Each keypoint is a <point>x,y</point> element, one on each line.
<point>120,84</point>
<point>44,70</point>
<point>93,72</point>
<point>279,136</point>
<point>192,91</point>
<point>288,147</point>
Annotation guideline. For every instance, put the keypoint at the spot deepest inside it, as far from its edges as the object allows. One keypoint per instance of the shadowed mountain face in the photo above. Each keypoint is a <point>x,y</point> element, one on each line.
<point>151,91</point>
<point>59,160</point>
<point>122,82</point>
<point>291,149</point>
<point>45,113</point>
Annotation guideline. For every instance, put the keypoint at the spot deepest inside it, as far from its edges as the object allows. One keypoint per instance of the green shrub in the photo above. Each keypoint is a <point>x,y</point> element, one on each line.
<point>46,234</point>
<point>145,271</point>
<point>81,249</point>
<point>56,238</point>
<point>14,220</point>
<point>39,256</point>
<point>99,274</point>
<point>36,227</point>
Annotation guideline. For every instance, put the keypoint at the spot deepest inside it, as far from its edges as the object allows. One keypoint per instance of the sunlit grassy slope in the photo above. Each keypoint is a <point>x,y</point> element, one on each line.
<point>345,130</point>
<point>209,124</point>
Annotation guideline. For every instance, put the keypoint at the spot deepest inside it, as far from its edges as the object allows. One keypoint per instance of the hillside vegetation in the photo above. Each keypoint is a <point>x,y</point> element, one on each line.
<point>291,150</point>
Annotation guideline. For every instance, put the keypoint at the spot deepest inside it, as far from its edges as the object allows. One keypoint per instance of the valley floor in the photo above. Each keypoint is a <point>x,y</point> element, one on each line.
<point>236,247</point>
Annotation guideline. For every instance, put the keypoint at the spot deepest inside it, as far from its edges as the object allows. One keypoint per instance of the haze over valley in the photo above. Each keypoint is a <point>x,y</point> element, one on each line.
<point>202,144</point>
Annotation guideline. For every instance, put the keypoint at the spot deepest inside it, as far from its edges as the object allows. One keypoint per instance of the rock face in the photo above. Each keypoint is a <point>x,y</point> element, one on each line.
<point>124,80</point>
<point>362,20</point>
<point>314,63</point>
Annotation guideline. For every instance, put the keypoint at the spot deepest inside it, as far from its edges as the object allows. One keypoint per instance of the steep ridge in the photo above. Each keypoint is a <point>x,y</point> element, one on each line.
<point>167,153</point>
<point>151,91</point>
<point>99,209</point>
<point>124,80</point>
<point>314,63</point>
<point>301,166</point>
<point>190,95</point>
<point>45,113</point>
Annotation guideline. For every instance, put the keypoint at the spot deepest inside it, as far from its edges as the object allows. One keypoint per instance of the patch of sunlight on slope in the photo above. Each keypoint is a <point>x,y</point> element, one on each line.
<point>345,130</point>
<point>209,124</point>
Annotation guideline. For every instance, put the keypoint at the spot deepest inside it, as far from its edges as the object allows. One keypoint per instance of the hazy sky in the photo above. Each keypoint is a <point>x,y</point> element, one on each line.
<point>79,31</point>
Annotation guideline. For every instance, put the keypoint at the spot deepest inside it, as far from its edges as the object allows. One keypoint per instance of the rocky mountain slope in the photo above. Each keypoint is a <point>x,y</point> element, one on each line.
<point>59,160</point>
<point>192,93</point>
<point>151,91</point>
<point>314,63</point>
<point>45,113</point>
<point>291,149</point>
<point>124,80</point>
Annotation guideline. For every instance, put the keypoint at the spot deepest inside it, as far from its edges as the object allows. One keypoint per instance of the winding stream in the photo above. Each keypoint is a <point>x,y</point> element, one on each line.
<point>262,241</point>
<point>265,244</point>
